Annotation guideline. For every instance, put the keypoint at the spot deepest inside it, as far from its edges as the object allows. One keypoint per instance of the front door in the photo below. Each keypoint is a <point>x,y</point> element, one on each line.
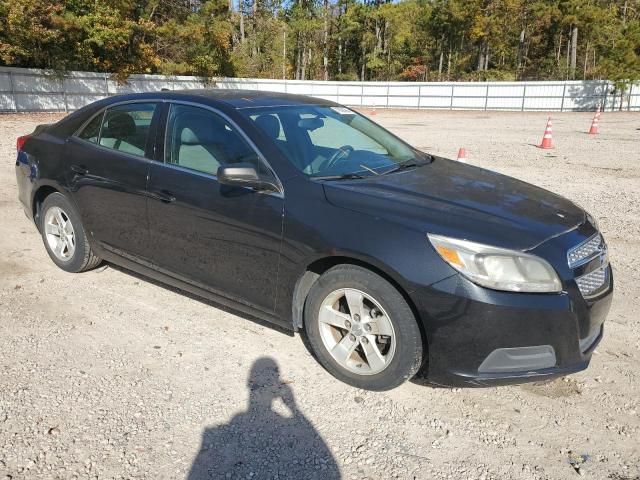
<point>108,171</point>
<point>224,239</point>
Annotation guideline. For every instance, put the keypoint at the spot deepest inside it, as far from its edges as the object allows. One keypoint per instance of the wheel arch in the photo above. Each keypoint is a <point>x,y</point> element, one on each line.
<point>317,267</point>
<point>39,196</point>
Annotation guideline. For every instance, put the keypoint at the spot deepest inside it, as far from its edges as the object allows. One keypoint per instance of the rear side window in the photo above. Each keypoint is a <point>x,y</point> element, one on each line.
<point>126,127</point>
<point>200,140</point>
<point>91,132</point>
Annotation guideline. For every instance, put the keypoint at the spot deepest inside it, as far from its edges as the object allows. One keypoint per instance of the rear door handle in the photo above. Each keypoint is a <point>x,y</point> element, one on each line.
<point>79,169</point>
<point>164,196</point>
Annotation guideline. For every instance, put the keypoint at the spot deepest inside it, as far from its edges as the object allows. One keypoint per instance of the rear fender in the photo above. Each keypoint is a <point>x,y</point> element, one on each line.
<point>41,190</point>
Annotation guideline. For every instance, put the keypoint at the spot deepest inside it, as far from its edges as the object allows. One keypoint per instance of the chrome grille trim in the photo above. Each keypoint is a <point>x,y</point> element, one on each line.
<point>594,282</point>
<point>586,251</point>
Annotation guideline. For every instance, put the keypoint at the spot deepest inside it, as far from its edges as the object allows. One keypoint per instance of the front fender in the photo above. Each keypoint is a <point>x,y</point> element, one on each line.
<point>318,264</point>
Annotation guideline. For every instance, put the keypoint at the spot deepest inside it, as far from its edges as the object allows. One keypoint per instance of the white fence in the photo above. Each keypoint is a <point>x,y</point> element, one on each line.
<point>31,90</point>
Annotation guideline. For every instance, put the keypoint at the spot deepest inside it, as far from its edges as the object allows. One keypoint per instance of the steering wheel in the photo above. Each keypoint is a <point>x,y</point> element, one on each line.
<point>342,153</point>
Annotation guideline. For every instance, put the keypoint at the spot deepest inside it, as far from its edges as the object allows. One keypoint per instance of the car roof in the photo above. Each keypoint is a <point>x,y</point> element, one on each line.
<point>235,98</point>
<point>222,98</point>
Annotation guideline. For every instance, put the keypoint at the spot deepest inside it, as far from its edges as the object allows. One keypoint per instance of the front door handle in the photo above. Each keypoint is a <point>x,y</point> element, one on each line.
<point>164,196</point>
<point>79,169</point>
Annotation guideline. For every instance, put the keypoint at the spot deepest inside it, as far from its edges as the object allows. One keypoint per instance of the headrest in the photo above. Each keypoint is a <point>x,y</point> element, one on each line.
<point>201,130</point>
<point>269,124</point>
<point>121,125</point>
<point>188,137</point>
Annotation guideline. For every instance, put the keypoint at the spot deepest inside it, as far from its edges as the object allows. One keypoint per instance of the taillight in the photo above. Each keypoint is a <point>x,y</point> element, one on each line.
<point>20,142</point>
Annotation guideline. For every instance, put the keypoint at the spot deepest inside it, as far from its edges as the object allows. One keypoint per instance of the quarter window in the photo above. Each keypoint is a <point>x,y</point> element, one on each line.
<point>91,131</point>
<point>126,127</point>
<point>200,140</point>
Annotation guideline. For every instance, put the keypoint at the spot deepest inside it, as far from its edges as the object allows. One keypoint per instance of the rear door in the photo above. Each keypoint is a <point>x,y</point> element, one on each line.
<point>221,238</point>
<point>109,164</point>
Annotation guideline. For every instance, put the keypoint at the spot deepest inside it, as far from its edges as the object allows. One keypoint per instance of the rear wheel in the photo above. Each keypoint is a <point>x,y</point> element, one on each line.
<point>64,237</point>
<point>361,329</point>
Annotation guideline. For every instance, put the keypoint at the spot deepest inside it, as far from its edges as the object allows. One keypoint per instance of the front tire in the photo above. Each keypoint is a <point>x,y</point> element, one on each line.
<point>64,237</point>
<point>361,329</point>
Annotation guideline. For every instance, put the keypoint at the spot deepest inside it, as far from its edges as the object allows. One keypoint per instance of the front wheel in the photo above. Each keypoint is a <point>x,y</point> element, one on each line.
<point>64,236</point>
<point>362,330</point>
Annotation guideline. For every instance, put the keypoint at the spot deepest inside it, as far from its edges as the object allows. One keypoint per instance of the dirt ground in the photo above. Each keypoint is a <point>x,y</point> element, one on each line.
<point>107,375</point>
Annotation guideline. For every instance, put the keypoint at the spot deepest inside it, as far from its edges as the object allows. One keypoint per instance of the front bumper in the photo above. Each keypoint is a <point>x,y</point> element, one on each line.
<point>482,337</point>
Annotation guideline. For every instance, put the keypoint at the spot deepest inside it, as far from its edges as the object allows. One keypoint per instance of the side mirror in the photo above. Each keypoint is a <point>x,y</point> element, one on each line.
<point>244,175</point>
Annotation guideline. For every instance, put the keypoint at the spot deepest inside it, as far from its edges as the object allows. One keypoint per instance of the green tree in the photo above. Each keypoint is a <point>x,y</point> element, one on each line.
<point>30,34</point>
<point>329,39</point>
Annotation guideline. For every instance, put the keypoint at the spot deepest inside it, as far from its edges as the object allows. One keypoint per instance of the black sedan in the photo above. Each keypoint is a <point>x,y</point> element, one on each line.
<point>305,213</point>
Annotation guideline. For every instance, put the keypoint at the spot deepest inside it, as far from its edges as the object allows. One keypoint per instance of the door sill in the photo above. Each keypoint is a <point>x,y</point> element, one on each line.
<point>146,268</point>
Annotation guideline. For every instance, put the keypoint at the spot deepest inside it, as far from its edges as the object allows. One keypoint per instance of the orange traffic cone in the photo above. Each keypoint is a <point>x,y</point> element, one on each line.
<point>546,138</point>
<point>594,125</point>
<point>462,155</point>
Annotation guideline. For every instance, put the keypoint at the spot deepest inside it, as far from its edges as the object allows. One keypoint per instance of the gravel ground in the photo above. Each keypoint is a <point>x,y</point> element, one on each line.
<point>108,375</point>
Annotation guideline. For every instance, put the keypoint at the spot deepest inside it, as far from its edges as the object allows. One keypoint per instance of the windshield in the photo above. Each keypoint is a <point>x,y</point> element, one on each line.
<point>332,141</point>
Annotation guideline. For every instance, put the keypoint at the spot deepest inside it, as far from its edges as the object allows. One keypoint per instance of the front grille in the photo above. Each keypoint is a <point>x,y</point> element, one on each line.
<point>594,282</point>
<point>587,250</point>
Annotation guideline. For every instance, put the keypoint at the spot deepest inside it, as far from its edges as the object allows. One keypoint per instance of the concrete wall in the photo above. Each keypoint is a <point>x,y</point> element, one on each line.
<point>31,90</point>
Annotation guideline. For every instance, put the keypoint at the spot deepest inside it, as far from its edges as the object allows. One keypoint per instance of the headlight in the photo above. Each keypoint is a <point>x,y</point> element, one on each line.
<point>497,268</point>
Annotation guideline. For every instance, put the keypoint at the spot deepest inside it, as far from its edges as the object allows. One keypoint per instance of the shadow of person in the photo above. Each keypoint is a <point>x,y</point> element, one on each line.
<point>262,442</point>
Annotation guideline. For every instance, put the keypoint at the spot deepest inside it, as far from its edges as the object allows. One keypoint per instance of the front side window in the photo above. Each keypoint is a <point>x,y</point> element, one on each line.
<point>126,127</point>
<point>200,140</point>
<point>323,140</point>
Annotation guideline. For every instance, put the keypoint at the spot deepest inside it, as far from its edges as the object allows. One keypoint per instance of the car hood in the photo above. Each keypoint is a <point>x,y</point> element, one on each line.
<point>461,201</point>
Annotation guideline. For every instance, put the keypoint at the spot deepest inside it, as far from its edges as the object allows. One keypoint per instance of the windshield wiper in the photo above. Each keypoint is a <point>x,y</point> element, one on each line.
<point>404,166</point>
<point>369,169</point>
<point>344,176</point>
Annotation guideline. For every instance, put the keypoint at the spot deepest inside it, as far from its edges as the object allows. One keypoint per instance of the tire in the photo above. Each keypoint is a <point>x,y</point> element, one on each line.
<point>392,329</point>
<point>75,254</point>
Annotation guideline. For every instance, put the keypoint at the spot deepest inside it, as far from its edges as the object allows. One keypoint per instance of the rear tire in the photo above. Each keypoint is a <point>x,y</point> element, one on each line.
<point>64,237</point>
<point>362,330</point>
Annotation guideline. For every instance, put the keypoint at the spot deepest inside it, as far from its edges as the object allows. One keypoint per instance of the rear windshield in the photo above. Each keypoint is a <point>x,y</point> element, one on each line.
<point>322,140</point>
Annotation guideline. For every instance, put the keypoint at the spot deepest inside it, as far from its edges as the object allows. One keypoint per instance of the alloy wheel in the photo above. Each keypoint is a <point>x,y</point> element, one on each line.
<point>357,331</point>
<point>59,233</point>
